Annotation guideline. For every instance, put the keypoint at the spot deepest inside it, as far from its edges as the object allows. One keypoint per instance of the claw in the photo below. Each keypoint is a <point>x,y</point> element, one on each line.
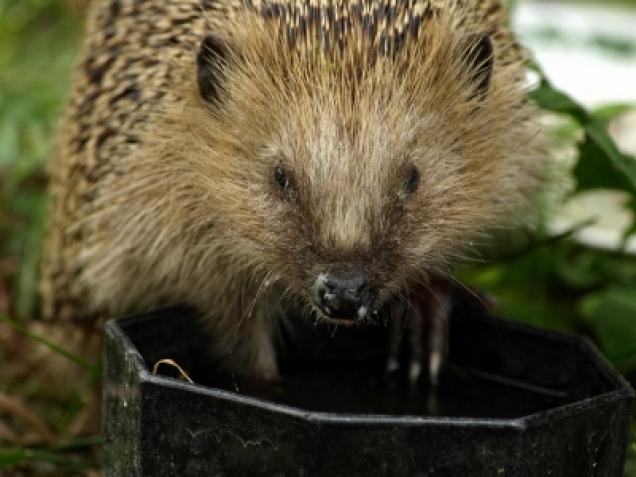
<point>415,371</point>
<point>396,330</point>
<point>438,336</point>
<point>434,366</point>
<point>425,318</point>
<point>415,326</point>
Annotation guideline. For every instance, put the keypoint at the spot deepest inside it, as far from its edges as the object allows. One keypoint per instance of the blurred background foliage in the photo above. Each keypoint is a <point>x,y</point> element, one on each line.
<point>547,277</point>
<point>38,41</point>
<point>38,45</point>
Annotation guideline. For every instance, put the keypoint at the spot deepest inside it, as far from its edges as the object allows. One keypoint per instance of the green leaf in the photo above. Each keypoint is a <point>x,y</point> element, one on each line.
<point>631,231</point>
<point>552,99</point>
<point>623,165</point>
<point>579,270</point>
<point>609,112</point>
<point>611,315</point>
<point>93,369</point>
<point>30,249</point>
<point>10,458</point>
<point>79,443</point>
<point>601,164</point>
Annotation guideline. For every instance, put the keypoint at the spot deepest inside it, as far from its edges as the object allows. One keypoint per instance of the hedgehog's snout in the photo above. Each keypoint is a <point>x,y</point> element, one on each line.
<point>344,293</point>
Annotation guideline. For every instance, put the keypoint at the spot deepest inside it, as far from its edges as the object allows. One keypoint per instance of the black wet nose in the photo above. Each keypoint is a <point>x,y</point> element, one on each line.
<point>344,294</point>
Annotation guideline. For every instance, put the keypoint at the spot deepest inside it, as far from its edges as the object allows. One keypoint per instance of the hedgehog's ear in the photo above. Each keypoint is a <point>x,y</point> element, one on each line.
<point>212,54</point>
<point>480,61</point>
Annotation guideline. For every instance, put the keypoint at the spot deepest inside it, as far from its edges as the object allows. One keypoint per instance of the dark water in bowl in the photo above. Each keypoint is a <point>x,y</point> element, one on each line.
<point>362,389</point>
<point>344,374</point>
<point>458,395</point>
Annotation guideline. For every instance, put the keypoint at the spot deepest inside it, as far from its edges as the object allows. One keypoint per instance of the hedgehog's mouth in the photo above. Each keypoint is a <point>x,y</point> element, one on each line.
<point>322,317</point>
<point>377,315</point>
<point>348,323</point>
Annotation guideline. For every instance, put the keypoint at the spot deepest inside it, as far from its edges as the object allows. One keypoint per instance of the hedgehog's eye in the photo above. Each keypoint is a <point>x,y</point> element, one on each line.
<point>282,179</point>
<point>411,182</point>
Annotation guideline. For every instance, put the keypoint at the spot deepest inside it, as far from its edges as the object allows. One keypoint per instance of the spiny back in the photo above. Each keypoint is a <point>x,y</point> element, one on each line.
<point>386,24</point>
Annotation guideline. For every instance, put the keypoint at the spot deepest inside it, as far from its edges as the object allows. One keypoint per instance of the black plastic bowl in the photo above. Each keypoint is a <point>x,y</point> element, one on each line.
<point>513,401</point>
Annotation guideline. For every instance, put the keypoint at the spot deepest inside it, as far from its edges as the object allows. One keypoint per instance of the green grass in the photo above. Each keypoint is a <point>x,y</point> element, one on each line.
<point>553,283</point>
<point>38,42</point>
<point>37,49</point>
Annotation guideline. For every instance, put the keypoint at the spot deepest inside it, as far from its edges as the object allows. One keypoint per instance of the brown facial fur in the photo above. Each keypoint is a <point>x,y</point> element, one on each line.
<point>160,197</point>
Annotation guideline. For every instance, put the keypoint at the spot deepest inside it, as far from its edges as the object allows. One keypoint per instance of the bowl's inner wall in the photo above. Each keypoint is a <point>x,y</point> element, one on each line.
<point>494,371</point>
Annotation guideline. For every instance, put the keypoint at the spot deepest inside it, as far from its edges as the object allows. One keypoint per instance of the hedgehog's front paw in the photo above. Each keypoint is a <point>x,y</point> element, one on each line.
<point>420,325</point>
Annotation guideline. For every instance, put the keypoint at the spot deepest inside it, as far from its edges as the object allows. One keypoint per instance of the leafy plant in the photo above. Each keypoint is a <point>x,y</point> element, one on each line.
<point>557,282</point>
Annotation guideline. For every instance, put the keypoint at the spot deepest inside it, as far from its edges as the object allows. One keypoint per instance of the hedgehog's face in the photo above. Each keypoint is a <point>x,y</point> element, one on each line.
<point>353,188</point>
<point>344,197</point>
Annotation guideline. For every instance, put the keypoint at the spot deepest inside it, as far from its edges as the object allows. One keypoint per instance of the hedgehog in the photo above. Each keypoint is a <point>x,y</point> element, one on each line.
<point>249,157</point>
